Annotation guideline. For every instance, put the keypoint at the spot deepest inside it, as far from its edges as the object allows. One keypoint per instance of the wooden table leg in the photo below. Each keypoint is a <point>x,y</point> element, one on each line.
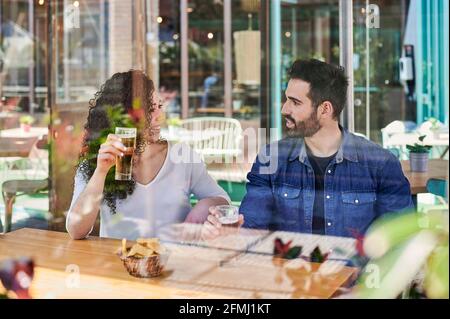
<point>9,199</point>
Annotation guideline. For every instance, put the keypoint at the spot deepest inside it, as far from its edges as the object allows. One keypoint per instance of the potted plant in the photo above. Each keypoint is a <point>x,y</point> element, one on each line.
<point>418,155</point>
<point>25,122</point>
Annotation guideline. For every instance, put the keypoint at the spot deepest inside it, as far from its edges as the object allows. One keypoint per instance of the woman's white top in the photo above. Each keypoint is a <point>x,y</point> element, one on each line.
<point>162,202</point>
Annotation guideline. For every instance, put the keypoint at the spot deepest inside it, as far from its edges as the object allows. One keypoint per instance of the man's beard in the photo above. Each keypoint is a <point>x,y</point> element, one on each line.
<point>305,128</point>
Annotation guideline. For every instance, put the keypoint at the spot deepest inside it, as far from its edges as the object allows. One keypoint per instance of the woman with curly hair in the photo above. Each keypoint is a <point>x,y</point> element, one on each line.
<point>159,192</point>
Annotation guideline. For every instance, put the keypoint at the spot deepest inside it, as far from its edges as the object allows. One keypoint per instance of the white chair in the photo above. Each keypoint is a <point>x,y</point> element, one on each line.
<point>429,126</point>
<point>394,128</point>
<point>215,137</point>
<point>436,130</point>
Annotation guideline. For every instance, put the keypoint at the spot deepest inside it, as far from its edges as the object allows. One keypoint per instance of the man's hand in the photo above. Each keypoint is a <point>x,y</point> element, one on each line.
<point>213,228</point>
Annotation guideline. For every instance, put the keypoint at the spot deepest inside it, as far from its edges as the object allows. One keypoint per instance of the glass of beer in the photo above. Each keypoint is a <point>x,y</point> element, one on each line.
<point>228,215</point>
<point>124,163</point>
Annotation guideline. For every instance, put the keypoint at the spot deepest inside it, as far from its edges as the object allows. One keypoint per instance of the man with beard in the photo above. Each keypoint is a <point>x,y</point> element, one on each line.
<point>321,179</point>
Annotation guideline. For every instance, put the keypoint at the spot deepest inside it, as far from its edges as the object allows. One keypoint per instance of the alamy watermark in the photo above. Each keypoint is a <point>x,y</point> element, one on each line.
<point>73,276</point>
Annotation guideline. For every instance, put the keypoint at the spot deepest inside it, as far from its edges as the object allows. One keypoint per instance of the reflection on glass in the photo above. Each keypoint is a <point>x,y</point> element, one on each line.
<point>206,58</point>
<point>23,114</point>
<point>379,97</point>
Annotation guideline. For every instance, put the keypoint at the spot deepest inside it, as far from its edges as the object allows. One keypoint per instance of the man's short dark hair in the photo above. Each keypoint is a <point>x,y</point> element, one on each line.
<point>327,82</point>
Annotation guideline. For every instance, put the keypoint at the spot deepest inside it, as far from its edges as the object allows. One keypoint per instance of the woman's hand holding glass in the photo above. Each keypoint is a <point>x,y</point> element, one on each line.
<point>108,151</point>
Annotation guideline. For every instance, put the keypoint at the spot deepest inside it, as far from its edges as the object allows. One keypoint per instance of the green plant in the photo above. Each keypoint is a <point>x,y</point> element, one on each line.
<point>419,148</point>
<point>26,119</point>
<point>401,247</point>
<point>434,123</point>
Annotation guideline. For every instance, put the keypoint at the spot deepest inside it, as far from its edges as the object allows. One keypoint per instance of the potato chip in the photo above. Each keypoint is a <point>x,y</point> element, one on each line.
<point>152,243</point>
<point>143,248</point>
<point>124,246</point>
<point>138,249</point>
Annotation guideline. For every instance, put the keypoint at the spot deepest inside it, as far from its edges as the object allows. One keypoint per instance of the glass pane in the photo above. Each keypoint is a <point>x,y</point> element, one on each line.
<point>93,40</point>
<point>23,112</point>
<point>247,65</point>
<point>169,56</point>
<point>81,49</point>
<point>379,94</point>
<point>206,58</point>
<point>246,59</point>
<point>308,30</point>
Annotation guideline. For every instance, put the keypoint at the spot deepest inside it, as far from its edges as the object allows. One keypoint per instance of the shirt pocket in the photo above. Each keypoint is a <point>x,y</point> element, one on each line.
<point>358,208</point>
<point>288,201</point>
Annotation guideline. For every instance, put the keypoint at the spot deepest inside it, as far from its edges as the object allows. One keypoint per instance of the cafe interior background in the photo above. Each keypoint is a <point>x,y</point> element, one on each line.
<point>221,62</point>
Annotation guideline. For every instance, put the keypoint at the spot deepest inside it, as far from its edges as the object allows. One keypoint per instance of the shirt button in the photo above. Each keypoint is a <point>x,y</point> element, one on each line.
<point>329,224</point>
<point>285,195</point>
<point>329,171</point>
<point>328,196</point>
<point>356,201</point>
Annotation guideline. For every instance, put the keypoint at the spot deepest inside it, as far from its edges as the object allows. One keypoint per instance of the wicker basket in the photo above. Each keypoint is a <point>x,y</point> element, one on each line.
<point>145,267</point>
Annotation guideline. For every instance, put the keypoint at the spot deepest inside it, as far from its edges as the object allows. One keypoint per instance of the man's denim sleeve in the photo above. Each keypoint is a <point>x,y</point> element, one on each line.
<point>257,205</point>
<point>394,191</point>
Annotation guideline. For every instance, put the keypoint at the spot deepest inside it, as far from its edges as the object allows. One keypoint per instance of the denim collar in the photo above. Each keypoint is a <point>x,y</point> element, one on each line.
<point>347,149</point>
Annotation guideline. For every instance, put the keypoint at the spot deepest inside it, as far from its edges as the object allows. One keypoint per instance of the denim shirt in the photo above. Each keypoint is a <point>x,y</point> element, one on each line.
<point>362,183</point>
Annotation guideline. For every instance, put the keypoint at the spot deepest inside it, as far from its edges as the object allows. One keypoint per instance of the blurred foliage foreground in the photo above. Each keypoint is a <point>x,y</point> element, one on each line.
<point>407,251</point>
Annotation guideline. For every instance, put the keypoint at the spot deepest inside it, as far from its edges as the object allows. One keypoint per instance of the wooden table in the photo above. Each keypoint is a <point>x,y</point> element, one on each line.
<point>437,168</point>
<point>19,132</point>
<point>16,147</point>
<point>90,268</point>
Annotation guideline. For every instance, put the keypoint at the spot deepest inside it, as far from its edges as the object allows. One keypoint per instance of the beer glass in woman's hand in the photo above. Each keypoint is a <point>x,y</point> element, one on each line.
<point>124,163</point>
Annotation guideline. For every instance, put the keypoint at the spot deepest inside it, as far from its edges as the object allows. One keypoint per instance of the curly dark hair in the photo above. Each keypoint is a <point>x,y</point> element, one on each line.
<point>126,99</point>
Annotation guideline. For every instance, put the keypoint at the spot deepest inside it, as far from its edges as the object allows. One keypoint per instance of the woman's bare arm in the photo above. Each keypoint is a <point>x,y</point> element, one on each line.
<point>83,214</point>
<point>86,208</point>
<point>200,212</point>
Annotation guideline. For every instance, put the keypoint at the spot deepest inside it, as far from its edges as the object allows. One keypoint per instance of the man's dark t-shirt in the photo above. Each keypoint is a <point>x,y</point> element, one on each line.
<point>319,165</point>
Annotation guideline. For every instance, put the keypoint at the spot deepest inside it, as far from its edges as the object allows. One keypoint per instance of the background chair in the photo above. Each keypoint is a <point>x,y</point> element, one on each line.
<point>437,187</point>
<point>429,125</point>
<point>434,128</point>
<point>224,140</point>
<point>438,202</point>
<point>11,189</point>
<point>396,127</point>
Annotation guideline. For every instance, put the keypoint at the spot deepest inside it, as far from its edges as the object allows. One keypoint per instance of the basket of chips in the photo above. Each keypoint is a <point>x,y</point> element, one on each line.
<point>147,258</point>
